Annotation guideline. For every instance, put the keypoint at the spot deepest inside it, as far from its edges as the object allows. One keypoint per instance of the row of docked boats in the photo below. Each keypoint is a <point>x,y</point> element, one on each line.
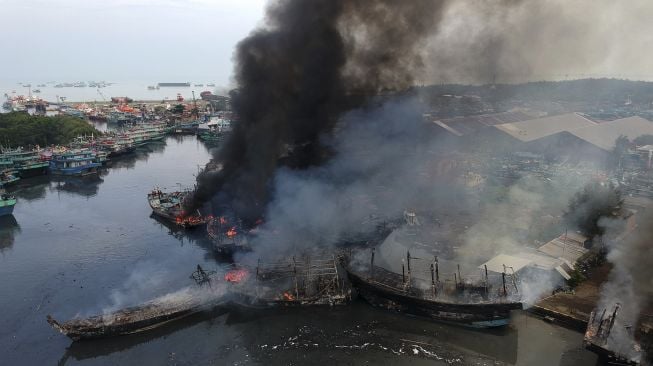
<point>83,156</point>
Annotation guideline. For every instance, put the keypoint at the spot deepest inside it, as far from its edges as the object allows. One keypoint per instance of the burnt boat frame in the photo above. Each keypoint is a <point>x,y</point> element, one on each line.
<point>398,292</point>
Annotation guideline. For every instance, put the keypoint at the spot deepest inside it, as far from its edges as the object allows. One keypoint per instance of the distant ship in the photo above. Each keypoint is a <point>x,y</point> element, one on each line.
<point>173,84</point>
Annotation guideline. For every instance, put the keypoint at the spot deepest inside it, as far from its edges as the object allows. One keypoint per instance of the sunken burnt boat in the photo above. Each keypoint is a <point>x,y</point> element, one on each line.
<point>170,206</point>
<point>150,315</point>
<point>599,339</point>
<point>473,304</point>
<point>305,281</point>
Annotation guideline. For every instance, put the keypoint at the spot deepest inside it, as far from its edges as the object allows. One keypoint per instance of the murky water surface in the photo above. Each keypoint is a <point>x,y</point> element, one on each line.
<point>78,246</point>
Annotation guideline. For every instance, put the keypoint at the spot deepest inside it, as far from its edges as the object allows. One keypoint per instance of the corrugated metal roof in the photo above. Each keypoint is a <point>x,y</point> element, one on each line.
<point>560,247</point>
<point>496,264</point>
<point>603,135</point>
<point>541,127</point>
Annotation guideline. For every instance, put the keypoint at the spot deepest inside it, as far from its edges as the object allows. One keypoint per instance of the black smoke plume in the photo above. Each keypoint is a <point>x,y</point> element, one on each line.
<point>310,63</point>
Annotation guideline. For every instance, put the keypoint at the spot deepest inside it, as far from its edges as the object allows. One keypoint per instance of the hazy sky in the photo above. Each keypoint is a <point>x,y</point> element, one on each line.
<point>117,40</point>
<point>193,40</point>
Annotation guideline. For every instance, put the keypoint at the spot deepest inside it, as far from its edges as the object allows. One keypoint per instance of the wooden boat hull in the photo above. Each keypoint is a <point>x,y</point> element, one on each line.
<point>129,321</point>
<point>78,333</point>
<point>476,315</point>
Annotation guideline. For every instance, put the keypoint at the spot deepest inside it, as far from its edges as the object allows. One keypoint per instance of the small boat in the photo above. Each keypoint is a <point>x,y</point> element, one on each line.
<point>36,91</point>
<point>7,203</point>
<point>170,206</point>
<point>155,313</point>
<point>8,177</point>
<point>151,87</point>
<point>77,162</point>
<point>211,84</point>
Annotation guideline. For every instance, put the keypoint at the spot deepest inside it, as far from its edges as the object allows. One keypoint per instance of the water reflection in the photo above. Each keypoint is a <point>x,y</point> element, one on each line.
<point>129,161</point>
<point>197,237</point>
<point>83,186</point>
<point>352,327</point>
<point>31,189</point>
<point>8,229</point>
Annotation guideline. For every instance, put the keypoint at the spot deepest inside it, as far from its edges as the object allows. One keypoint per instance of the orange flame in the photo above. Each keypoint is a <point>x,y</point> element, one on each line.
<point>236,275</point>
<point>288,296</point>
<point>223,221</point>
<point>188,220</point>
<point>232,232</point>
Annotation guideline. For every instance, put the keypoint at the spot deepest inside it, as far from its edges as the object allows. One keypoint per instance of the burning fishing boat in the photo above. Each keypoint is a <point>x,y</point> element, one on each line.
<point>600,340</point>
<point>169,205</point>
<point>227,237</point>
<point>150,315</point>
<point>478,304</point>
<point>294,282</point>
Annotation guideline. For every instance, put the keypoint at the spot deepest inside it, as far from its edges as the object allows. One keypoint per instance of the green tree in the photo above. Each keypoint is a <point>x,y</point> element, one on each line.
<point>22,129</point>
<point>594,202</point>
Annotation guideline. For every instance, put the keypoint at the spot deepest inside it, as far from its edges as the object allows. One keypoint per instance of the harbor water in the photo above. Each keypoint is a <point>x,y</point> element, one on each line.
<point>83,246</point>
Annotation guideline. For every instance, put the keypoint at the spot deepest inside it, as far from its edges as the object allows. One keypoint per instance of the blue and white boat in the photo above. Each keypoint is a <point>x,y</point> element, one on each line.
<point>7,203</point>
<point>74,162</point>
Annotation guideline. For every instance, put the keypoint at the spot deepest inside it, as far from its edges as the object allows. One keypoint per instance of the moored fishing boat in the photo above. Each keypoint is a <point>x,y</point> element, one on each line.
<point>169,205</point>
<point>189,127</point>
<point>8,177</point>
<point>7,203</point>
<point>117,144</point>
<point>216,130</point>
<point>25,163</point>
<point>74,162</point>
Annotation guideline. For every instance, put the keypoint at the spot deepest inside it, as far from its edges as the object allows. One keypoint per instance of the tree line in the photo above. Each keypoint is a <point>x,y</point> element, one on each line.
<point>21,129</point>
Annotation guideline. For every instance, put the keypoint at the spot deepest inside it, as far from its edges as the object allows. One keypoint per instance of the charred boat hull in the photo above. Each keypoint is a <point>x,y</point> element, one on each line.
<point>476,315</point>
<point>79,331</point>
<point>137,319</point>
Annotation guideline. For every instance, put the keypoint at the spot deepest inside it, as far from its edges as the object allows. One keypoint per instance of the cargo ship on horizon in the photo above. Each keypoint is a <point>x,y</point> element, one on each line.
<point>186,84</point>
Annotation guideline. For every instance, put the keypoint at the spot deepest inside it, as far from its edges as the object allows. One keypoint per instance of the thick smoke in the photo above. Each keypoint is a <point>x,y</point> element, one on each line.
<point>313,61</point>
<point>384,163</point>
<point>483,41</point>
<point>630,282</point>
